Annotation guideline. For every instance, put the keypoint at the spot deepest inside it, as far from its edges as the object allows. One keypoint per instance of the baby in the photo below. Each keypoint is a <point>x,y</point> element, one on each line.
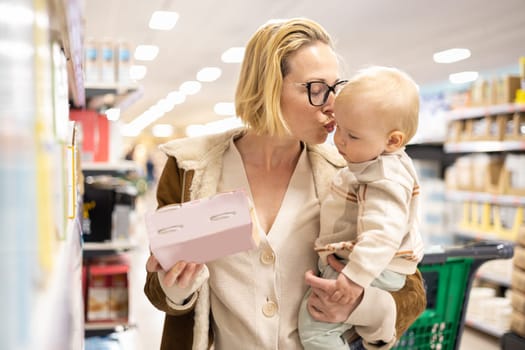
<point>369,219</point>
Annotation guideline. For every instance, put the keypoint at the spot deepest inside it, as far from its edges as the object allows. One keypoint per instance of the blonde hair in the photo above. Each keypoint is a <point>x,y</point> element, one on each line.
<point>266,63</point>
<point>390,91</point>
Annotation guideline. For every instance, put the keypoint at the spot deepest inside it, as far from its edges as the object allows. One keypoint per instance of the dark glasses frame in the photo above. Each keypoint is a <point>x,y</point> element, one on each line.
<point>330,88</point>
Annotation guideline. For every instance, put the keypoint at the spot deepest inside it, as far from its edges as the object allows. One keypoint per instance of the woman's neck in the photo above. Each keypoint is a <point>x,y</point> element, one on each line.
<point>268,152</point>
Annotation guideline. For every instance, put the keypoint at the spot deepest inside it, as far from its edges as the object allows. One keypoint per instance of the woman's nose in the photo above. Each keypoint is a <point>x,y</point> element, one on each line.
<point>328,107</point>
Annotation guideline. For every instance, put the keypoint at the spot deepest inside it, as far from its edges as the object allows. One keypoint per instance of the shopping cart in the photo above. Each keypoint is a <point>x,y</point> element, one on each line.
<point>448,276</point>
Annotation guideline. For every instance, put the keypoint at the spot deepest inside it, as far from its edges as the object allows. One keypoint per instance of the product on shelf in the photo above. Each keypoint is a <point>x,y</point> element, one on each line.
<point>517,323</point>
<point>106,282</point>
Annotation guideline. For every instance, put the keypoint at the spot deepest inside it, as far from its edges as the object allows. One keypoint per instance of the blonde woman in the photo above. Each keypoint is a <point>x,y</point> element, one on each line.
<point>285,97</point>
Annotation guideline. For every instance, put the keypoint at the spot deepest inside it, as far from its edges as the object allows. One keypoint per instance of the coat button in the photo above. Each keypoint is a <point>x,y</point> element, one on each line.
<point>267,257</point>
<point>269,309</point>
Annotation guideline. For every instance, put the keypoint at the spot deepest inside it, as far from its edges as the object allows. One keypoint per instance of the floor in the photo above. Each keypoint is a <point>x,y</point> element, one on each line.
<point>147,321</point>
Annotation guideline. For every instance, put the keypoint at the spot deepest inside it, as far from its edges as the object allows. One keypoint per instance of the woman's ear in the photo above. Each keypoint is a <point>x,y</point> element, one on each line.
<point>396,140</point>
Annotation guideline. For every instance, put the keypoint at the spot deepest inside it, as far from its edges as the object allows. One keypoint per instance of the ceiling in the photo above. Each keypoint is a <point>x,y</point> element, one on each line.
<point>404,34</point>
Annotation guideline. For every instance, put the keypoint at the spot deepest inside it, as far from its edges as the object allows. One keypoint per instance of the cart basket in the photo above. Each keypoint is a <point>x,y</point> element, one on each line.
<point>448,276</point>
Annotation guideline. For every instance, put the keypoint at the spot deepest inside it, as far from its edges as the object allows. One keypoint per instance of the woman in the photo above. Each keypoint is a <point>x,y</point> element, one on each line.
<point>285,96</point>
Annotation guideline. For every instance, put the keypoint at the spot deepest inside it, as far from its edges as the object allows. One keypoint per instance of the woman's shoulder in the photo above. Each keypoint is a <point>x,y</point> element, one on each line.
<point>328,153</point>
<point>198,147</point>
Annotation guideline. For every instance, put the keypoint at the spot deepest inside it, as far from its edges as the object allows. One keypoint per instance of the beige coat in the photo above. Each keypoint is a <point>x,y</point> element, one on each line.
<point>192,171</point>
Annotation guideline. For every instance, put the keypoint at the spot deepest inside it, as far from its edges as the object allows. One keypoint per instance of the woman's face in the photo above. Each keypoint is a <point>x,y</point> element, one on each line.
<point>316,62</point>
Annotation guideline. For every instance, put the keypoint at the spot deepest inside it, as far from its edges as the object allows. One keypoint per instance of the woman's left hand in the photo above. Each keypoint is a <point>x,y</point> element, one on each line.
<point>321,305</point>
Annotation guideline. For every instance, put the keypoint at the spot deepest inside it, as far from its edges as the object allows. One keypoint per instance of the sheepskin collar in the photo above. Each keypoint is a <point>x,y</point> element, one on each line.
<point>203,154</point>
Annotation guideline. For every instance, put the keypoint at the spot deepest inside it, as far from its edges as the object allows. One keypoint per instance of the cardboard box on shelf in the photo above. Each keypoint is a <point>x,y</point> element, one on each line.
<point>107,289</point>
<point>98,298</point>
<point>517,323</point>
<point>512,176</point>
<point>520,239</point>
<point>515,127</point>
<point>519,257</point>
<point>518,279</point>
<point>506,88</point>
<point>456,131</point>
<point>118,298</point>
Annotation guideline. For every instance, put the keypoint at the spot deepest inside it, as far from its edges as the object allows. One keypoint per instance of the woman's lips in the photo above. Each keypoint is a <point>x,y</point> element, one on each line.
<point>330,126</point>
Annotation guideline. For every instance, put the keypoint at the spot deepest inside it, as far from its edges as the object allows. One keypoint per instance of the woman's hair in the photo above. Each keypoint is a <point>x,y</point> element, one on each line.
<point>390,92</point>
<point>265,64</point>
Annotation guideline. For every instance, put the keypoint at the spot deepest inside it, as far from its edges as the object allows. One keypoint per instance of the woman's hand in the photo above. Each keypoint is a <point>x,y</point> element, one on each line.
<point>183,273</point>
<point>324,302</point>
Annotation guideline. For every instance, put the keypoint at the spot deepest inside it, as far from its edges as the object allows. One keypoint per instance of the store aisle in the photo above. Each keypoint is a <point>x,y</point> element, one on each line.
<point>147,333</point>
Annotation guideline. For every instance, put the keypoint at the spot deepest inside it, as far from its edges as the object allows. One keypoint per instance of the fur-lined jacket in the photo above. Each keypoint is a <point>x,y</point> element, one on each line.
<point>192,171</point>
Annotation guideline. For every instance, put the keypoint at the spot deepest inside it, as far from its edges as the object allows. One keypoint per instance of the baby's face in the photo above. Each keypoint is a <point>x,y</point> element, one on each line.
<point>360,135</point>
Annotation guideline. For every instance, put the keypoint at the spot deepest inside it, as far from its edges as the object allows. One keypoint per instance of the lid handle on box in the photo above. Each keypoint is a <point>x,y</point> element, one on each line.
<point>222,216</point>
<point>169,229</point>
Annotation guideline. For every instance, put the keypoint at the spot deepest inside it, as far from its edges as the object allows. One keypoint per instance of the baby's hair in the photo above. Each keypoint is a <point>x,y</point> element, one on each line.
<point>390,91</point>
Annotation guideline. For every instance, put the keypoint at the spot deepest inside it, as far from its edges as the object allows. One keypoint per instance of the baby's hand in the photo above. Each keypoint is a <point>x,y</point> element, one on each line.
<point>346,291</point>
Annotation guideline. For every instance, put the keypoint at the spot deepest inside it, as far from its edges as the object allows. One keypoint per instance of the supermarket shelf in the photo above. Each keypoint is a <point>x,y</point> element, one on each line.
<point>485,327</point>
<point>476,235</point>
<point>484,146</point>
<point>464,196</point>
<point>120,166</point>
<point>101,96</point>
<point>97,89</point>
<point>67,22</point>
<point>92,329</point>
<point>469,113</point>
<point>93,248</point>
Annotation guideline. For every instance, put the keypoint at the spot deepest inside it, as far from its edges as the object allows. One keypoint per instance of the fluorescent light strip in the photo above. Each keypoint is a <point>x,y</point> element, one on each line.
<point>208,74</point>
<point>451,55</point>
<point>190,87</point>
<point>146,52</point>
<point>233,55</point>
<point>137,72</point>
<point>224,108</point>
<point>463,77</point>
<point>162,130</point>
<point>163,20</point>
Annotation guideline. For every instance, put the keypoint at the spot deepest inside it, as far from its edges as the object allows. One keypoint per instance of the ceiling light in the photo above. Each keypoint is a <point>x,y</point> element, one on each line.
<point>134,127</point>
<point>451,55</point>
<point>162,130</point>
<point>112,114</point>
<point>137,72</point>
<point>163,20</point>
<point>463,77</point>
<point>233,55</point>
<point>224,108</point>
<point>176,97</point>
<point>146,52</point>
<point>190,87</point>
<point>208,74</point>
<point>166,105</point>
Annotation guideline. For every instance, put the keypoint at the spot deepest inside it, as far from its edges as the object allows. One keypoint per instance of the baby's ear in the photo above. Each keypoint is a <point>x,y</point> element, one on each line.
<point>395,140</point>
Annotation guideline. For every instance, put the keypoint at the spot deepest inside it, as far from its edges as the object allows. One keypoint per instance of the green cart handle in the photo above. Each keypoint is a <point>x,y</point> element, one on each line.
<point>479,251</point>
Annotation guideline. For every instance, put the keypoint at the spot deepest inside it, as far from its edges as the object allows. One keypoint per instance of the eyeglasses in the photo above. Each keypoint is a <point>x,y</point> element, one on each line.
<point>318,91</point>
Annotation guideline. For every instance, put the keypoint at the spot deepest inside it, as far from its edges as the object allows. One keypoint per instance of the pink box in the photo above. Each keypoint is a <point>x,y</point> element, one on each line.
<point>201,230</point>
